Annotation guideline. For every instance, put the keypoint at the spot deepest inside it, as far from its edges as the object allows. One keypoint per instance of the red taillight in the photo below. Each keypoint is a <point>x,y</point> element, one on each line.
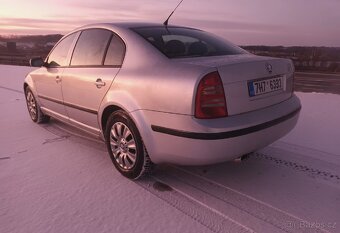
<point>210,99</point>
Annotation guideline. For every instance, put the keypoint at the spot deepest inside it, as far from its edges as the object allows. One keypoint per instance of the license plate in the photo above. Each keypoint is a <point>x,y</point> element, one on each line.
<point>264,86</point>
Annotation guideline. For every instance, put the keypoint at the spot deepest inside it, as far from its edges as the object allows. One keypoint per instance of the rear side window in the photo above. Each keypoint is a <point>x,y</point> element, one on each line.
<point>91,47</point>
<point>177,42</point>
<point>115,52</point>
<point>58,56</point>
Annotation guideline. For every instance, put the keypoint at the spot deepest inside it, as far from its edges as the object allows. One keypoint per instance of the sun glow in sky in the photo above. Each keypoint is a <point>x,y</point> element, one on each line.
<point>244,22</point>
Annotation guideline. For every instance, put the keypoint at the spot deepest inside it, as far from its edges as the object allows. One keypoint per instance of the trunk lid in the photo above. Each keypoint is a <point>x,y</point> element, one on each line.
<point>246,76</point>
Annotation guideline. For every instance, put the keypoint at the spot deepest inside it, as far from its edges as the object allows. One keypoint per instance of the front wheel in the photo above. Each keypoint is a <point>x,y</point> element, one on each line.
<point>125,146</point>
<point>34,109</point>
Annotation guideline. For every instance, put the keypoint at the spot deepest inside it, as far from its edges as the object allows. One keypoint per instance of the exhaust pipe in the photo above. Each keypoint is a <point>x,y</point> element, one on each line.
<point>242,158</point>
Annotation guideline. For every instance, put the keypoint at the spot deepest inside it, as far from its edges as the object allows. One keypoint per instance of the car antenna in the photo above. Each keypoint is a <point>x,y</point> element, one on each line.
<point>167,20</point>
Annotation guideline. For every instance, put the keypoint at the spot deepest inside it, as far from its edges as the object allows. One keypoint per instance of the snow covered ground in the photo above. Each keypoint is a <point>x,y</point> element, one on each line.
<point>54,178</point>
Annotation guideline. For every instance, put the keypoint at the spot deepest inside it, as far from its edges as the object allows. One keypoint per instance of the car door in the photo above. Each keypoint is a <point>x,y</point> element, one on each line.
<point>48,80</point>
<point>96,60</point>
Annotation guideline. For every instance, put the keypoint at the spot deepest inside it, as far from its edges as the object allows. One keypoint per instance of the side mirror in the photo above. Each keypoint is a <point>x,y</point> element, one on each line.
<point>37,62</point>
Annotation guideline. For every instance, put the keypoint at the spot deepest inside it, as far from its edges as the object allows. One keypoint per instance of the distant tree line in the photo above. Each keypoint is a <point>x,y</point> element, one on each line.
<point>304,58</point>
<point>39,39</point>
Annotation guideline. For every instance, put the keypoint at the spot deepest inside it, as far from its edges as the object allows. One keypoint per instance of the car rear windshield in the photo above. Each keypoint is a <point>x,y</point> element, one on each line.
<point>178,42</point>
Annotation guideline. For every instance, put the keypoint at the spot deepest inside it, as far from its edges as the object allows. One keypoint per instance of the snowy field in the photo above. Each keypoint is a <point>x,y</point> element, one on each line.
<point>54,178</point>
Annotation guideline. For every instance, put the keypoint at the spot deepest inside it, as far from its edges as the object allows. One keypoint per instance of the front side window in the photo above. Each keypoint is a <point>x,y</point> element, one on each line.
<point>178,42</point>
<point>91,47</point>
<point>58,56</point>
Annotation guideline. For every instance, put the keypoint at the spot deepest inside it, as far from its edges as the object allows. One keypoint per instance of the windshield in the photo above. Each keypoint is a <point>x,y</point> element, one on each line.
<point>178,42</point>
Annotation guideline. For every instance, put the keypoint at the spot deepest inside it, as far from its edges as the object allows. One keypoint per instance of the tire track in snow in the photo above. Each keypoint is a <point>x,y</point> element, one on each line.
<point>11,89</point>
<point>315,172</point>
<point>206,216</point>
<point>66,132</point>
<point>243,210</point>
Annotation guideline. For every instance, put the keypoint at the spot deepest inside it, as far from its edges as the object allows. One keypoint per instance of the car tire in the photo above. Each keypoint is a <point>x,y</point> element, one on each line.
<point>34,109</point>
<point>126,147</point>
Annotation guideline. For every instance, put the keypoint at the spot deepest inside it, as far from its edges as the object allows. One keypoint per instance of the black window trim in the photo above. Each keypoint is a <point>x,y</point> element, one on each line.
<point>106,49</point>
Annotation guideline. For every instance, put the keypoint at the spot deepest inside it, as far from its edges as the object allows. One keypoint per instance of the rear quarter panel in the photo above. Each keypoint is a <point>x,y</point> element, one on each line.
<point>151,81</point>
<point>162,87</point>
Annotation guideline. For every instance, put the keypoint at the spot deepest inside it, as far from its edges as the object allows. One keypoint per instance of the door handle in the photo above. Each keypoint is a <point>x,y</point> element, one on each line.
<point>58,79</point>
<point>99,83</point>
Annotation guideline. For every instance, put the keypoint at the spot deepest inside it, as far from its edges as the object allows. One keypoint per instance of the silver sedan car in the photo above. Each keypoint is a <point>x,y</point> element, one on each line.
<point>163,94</point>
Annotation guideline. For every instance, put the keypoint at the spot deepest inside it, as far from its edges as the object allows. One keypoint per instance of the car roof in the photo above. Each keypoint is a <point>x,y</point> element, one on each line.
<point>123,25</point>
<point>122,28</point>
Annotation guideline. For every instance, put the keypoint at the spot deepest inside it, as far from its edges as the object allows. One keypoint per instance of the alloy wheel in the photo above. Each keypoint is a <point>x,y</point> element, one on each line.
<point>123,145</point>
<point>31,105</point>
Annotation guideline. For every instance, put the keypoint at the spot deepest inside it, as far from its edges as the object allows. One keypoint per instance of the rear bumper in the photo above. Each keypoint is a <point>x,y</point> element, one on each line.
<point>214,141</point>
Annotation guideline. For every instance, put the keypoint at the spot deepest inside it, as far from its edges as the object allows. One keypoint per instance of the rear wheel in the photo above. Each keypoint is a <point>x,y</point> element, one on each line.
<point>125,146</point>
<point>34,109</point>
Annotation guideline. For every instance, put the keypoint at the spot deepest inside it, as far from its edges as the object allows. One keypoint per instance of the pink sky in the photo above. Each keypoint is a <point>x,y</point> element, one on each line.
<point>244,22</point>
